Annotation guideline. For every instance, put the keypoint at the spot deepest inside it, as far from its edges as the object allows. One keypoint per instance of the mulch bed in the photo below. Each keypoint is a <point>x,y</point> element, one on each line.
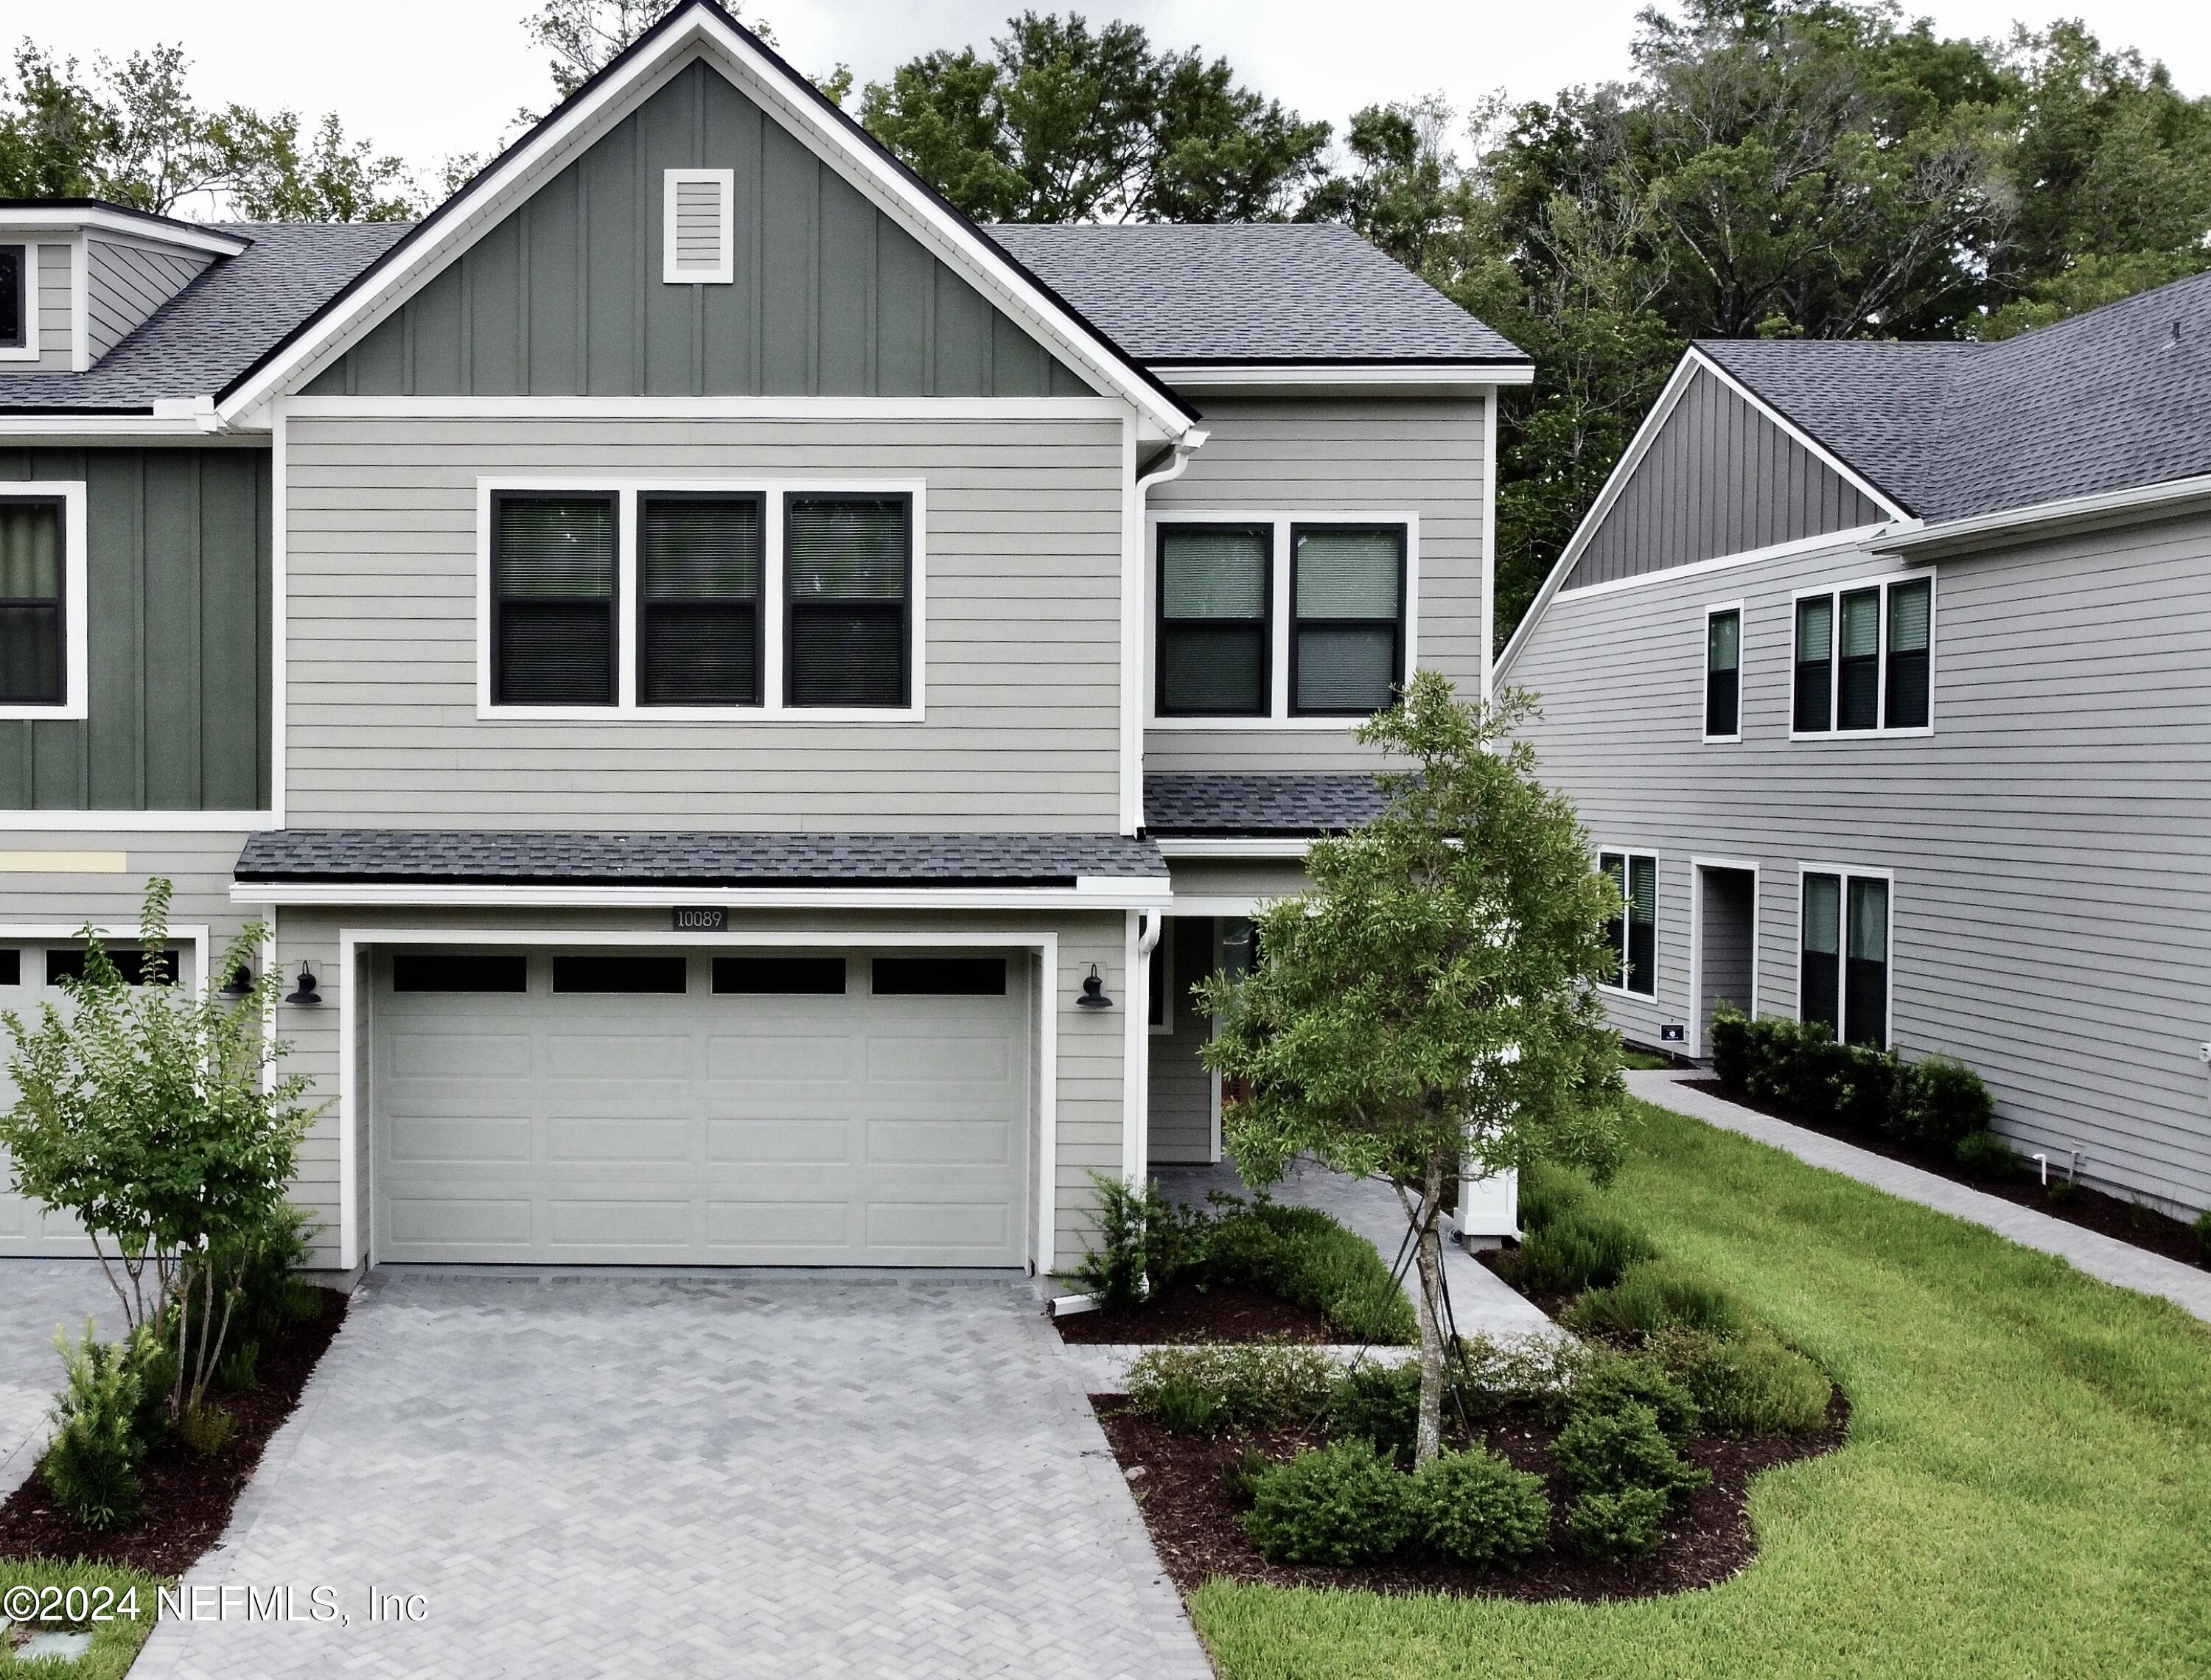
<point>2077,1204</point>
<point>188,1498</point>
<point>1182,1312</point>
<point>1198,1529</point>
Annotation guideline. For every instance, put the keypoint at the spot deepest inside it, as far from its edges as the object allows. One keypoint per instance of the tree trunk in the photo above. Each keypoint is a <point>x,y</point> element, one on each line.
<point>1427,1442</point>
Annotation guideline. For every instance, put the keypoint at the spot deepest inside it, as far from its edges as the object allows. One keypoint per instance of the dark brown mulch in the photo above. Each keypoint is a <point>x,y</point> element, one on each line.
<point>188,1497</point>
<point>1182,1312</point>
<point>2092,1210</point>
<point>1199,1533</point>
<point>1550,1301</point>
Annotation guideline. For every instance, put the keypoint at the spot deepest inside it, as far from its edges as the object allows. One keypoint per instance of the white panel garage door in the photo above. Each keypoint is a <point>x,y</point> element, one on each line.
<point>752,1117</point>
<point>28,971</point>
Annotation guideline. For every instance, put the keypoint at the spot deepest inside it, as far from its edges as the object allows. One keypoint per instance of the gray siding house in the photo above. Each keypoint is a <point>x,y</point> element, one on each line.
<point>746,698</point>
<point>1879,672</point>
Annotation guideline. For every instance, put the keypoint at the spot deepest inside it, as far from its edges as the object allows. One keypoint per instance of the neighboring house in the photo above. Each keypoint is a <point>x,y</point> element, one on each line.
<point>1882,673</point>
<point>702,653</point>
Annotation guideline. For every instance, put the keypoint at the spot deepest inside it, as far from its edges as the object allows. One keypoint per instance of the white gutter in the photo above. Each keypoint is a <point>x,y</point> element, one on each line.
<point>1295,847</point>
<point>2104,510</point>
<point>158,230</point>
<point>1218,376</point>
<point>1135,629</point>
<point>1089,892</point>
<point>169,419</point>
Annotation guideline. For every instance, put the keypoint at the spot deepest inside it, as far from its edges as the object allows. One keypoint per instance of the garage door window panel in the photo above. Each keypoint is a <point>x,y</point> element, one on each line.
<point>553,591</point>
<point>653,974</point>
<point>780,976</point>
<point>460,971</point>
<point>939,977</point>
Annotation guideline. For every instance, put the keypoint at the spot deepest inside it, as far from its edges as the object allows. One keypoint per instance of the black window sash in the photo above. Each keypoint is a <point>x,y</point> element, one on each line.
<point>1857,675</point>
<point>1905,682</point>
<point>1613,866</point>
<point>867,606</point>
<point>502,605</point>
<point>1263,627</point>
<point>39,621</point>
<point>1299,622</point>
<point>1813,706</point>
<point>1818,973</point>
<point>1642,974</point>
<point>648,605</point>
<point>18,296</point>
<point>1723,687</point>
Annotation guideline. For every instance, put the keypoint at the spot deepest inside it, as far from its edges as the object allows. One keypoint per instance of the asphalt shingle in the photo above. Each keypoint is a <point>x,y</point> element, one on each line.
<point>1196,806</point>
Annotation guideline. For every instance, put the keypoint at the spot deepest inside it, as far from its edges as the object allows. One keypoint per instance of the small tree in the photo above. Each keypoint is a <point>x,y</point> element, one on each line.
<point>153,1114</point>
<point>1430,1002</point>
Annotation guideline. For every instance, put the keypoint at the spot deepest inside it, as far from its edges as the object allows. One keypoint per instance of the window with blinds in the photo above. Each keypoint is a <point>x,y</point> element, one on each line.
<point>1815,665</point>
<point>1911,625</point>
<point>700,563</point>
<point>1819,965</point>
<point>1214,626</point>
<point>554,566</point>
<point>1723,673</point>
<point>33,654</point>
<point>1865,658</point>
<point>847,594</point>
<point>1347,618</point>
<point>1842,975</point>
<point>1633,932</point>
<point>1858,680</point>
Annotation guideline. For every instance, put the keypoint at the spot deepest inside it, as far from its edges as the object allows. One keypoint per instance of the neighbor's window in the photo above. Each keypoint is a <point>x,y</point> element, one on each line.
<point>1347,617</point>
<point>1723,672</point>
<point>699,564</point>
<point>848,566</point>
<point>1843,960</point>
<point>553,600</point>
<point>1635,932</point>
<point>15,297</point>
<point>1863,658</point>
<point>34,659</point>
<point>1213,624</point>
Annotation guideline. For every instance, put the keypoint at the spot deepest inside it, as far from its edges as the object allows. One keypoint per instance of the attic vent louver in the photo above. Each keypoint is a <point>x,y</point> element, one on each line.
<point>699,220</point>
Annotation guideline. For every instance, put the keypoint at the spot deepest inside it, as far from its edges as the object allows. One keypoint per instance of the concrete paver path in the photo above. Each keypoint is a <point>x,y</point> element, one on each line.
<point>36,1295</point>
<point>729,1476</point>
<point>2091,1252</point>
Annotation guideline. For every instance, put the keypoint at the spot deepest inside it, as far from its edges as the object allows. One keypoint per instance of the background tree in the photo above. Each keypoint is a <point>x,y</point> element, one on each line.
<point>1433,998</point>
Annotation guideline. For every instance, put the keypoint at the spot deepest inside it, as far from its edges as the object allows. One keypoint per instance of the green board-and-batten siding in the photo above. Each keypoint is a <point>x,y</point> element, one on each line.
<point>565,297</point>
<point>177,583</point>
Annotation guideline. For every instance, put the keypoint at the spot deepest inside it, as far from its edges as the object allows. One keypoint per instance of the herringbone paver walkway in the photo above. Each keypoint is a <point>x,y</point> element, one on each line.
<point>688,1476</point>
<point>36,1295</point>
<point>2091,1252</point>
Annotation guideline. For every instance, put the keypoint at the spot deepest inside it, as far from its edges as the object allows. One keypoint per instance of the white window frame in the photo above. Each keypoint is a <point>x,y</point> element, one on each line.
<point>1277,715</point>
<point>1698,865</point>
<point>1705,668</point>
<point>76,631</point>
<point>1835,592</point>
<point>1846,872</point>
<point>1629,854</point>
<point>27,351</point>
<point>774,708</point>
<point>725,270</point>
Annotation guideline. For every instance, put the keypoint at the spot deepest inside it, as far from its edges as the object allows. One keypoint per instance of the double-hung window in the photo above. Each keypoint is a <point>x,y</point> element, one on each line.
<point>1214,626</point>
<point>16,298</point>
<point>847,581</point>
<point>1723,673</point>
<point>1347,619</point>
<point>1863,660</point>
<point>1842,980</point>
<point>700,559</point>
<point>554,592</point>
<point>33,631</point>
<point>1635,932</point>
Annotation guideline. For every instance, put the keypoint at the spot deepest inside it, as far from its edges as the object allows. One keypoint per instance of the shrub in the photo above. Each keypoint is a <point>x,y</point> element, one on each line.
<point>1616,1527</point>
<point>153,1360</point>
<point>236,1373</point>
<point>206,1429</point>
<point>1750,1385</point>
<point>2204,1230</point>
<point>1579,1249</point>
<point>1734,1045</point>
<point>1612,1381</point>
<point>1654,1296</point>
<point>1306,1258</point>
<point>1866,1088</point>
<point>1547,1190</point>
<point>1253,1385</point>
<point>1603,1451</point>
<point>91,1467</point>
<point>1985,1155</point>
<point>1534,1372</point>
<point>1944,1102</point>
<point>1342,1504</point>
<point>1241,1474</point>
<point>1380,1404</point>
<point>1474,1507</point>
<point>1118,1271</point>
<point>272,1294</point>
<point>1590,1137</point>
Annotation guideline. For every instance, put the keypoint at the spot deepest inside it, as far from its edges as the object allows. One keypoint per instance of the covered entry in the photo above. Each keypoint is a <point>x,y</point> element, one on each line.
<point>775,1107</point>
<point>1725,955</point>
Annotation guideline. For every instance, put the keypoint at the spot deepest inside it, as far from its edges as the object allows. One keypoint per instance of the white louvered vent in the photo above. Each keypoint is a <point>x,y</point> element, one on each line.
<point>700,219</point>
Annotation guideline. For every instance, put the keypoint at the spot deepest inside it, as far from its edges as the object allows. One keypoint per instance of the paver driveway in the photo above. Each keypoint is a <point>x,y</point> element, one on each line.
<point>35,1297</point>
<point>674,1476</point>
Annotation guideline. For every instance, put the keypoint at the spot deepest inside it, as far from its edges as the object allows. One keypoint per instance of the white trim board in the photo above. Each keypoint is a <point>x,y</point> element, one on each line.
<point>1471,376</point>
<point>77,642</point>
<point>1695,1047</point>
<point>194,933</point>
<point>825,408</point>
<point>1256,849</point>
<point>156,230</point>
<point>1090,893</point>
<point>48,821</point>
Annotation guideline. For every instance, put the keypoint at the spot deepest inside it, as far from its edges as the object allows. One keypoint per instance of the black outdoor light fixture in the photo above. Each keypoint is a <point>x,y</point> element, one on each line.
<point>240,983</point>
<point>1093,992</point>
<point>305,991</point>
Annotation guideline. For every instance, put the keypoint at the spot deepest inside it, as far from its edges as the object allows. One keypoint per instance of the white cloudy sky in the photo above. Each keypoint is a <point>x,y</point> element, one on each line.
<point>426,78</point>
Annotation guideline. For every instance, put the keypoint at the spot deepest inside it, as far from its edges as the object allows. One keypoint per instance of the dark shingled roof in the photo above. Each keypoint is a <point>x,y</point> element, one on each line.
<point>2111,399</point>
<point>210,332</point>
<point>1195,807</point>
<point>1251,292</point>
<point>481,858</point>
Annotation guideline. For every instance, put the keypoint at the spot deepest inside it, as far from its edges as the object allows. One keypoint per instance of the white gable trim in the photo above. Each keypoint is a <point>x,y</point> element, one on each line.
<point>700,29</point>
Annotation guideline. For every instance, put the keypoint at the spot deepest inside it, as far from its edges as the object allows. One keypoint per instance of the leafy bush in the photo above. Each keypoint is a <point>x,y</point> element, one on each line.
<point>1616,1527</point>
<point>1475,1507</point>
<point>1986,1155</point>
<point>1747,1385</point>
<point>206,1429</point>
<point>1188,1407</point>
<point>1929,1104</point>
<point>1547,1190</point>
<point>1306,1258</point>
<point>1732,1045</point>
<point>1380,1404</point>
<point>1611,1380</point>
<point>1603,1451</point>
<point>1653,1296</point>
<point>1253,1385</point>
<point>1344,1503</point>
<point>153,1360</point>
<point>1589,1137</point>
<point>1118,1270</point>
<point>1535,1372</point>
<point>91,1467</point>
<point>2204,1230</point>
<point>1579,1248</point>
<point>236,1372</point>
<point>1240,1476</point>
<point>1944,1102</point>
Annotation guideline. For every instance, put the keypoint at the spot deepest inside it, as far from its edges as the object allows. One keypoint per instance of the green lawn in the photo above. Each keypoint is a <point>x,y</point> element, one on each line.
<point>2027,1490</point>
<point>115,1641</point>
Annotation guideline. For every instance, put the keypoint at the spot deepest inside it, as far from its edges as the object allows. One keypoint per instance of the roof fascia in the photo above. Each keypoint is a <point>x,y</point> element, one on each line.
<point>2104,510</point>
<point>1827,457</point>
<point>62,215</point>
<point>1410,376</point>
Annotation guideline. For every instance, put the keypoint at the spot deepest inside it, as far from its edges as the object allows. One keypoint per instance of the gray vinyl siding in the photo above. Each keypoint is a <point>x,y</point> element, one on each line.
<point>50,267</point>
<point>1022,603</point>
<point>125,283</point>
<point>177,587</point>
<point>1181,1090</point>
<point>2048,837</point>
<point>1718,479</point>
<point>565,297</point>
<point>1283,456</point>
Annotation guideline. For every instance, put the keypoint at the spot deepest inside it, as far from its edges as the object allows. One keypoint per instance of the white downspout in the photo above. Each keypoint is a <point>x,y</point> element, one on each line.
<point>1135,630</point>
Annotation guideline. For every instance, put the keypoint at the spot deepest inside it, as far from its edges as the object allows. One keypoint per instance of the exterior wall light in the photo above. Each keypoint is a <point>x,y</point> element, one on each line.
<point>240,983</point>
<point>1093,992</point>
<point>304,992</point>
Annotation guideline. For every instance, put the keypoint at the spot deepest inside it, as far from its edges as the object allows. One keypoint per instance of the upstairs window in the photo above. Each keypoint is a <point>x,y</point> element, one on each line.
<point>15,297</point>
<point>1214,623</point>
<point>1843,956</point>
<point>1347,619</point>
<point>553,601</point>
<point>847,585</point>
<point>1723,673</point>
<point>700,563</point>
<point>33,637</point>
<point>1863,659</point>
<point>1635,932</point>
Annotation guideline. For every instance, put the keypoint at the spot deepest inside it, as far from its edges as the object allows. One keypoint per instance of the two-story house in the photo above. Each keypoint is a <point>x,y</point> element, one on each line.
<point>1882,673</point>
<point>746,697</point>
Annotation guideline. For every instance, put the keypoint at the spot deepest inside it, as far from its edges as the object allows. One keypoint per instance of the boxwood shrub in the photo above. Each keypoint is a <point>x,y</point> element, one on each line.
<point>1929,1104</point>
<point>1343,1503</point>
<point>1475,1507</point>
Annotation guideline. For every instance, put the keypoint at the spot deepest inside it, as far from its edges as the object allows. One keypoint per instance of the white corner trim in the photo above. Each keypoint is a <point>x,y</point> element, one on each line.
<point>29,276</point>
<point>279,520</point>
<point>723,269</point>
<point>1137,652</point>
<point>1489,469</point>
<point>1124,893</point>
<point>76,596</point>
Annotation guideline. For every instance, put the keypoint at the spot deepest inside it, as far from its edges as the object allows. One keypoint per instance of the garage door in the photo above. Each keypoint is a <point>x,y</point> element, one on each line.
<point>712,1108</point>
<point>28,972</point>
